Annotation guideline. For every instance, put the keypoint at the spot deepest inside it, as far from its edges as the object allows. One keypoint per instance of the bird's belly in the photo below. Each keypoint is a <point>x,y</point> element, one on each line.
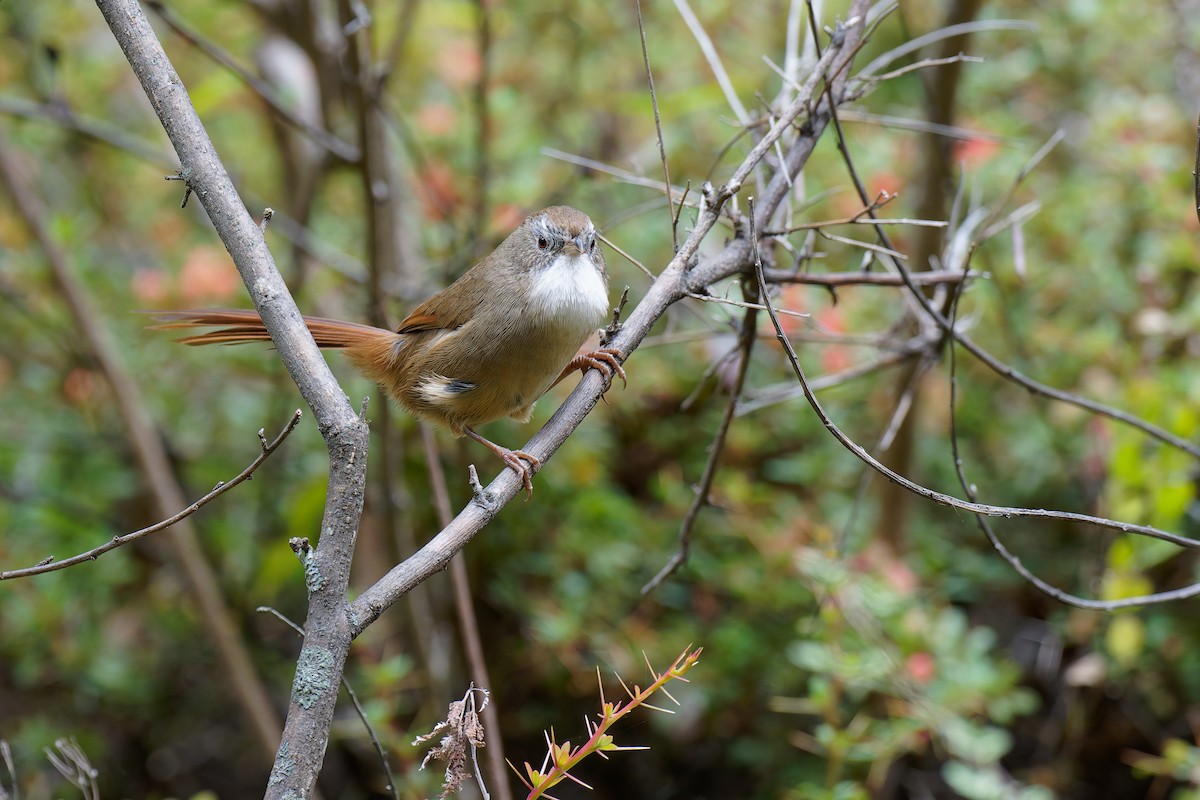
<point>502,377</point>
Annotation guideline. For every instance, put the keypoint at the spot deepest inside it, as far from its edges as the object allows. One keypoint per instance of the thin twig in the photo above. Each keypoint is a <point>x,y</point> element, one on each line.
<point>336,146</point>
<point>662,149</point>
<point>926,63</point>
<point>468,623</point>
<point>949,32</point>
<point>98,130</point>
<point>922,126</point>
<point>483,132</point>
<point>729,301</point>
<point>932,494</point>
<point>12,791</point>
<point>117,541</point>
<point>624,175</point>
<point>1015,562</point>
<point>859,218</point>
<point>717,447</point>
<point>395,49</point>
<point>626,255</point>
<point>73,764</point>
<point>993,363</point>
<point>772,395</point>
<point>714,60</point>
<point>1196,170</point>
<point>932,278</point>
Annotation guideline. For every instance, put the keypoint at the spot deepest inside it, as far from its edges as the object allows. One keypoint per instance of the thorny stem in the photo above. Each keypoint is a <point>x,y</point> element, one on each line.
<point>562,758</point>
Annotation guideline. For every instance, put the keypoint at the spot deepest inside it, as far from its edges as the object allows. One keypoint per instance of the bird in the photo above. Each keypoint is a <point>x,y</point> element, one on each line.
<point>484,348</point>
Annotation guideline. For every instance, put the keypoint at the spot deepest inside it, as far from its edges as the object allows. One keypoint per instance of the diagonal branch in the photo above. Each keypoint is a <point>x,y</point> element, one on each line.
<point>673,283</point>
<point>50,565</point>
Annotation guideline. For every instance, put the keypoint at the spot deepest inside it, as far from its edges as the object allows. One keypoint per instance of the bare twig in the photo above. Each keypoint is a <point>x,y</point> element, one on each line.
<point>714,60</point>
<point>483,134</point>
<point>624,175</point>
<point>717,447</point>
<point>468,623</point>
<point>117,541</point>
<point>395,49</point>
<point>857,220</point>
<point>932,278</point>
<point>939,497</point>
<point>772,395</point>
<point>73,764</point>
<point>150,452</point>
<point>1196,170</point>
<point>337,147</point>
<point>926,63</point>
<point>948,32</point>
<point>96,129</point>
<point>1015,562</point>
<point>626,255</point>
<point>920,126</point>
<point>662,150</point>
<point>12,791</point>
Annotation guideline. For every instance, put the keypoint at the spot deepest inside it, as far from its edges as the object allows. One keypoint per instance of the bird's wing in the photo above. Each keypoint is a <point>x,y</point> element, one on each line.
<point>449,309</point>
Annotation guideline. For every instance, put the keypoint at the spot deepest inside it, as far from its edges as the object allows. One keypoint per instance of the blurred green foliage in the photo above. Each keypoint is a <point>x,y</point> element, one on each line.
<point>844,656</point>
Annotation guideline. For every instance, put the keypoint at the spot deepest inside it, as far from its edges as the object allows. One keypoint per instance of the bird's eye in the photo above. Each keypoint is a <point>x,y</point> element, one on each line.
<point>592,246</point>
<point>542,243</point>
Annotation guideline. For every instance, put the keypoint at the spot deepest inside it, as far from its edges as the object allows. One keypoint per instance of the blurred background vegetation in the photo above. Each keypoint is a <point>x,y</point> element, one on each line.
<point>855,644</point>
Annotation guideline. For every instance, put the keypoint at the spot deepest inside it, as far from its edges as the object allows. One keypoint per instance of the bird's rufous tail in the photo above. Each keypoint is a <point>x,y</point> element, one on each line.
<point>240,326</point>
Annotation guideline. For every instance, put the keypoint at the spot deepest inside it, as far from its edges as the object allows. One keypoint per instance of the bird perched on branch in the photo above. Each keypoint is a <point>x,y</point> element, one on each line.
<point>487,346</point>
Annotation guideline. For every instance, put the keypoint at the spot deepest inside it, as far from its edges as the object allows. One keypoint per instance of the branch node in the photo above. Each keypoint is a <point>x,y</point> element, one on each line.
<point>479,495</point>
<point>614,327</point>
<point>184,174</point>
<point>300,547</point>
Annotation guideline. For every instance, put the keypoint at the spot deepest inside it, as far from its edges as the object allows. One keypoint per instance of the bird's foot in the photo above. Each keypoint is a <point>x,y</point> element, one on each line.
<point>607,360</point>
<point>513,459</point>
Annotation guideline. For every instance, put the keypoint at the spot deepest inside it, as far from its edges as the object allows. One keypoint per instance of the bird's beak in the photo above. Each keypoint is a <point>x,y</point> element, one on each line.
<point>572,248</point>
<point>581,244</point>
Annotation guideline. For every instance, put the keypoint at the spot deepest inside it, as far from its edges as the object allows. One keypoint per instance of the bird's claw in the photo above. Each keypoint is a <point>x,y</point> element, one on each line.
<point>606,360</point>
<point>513,459</point>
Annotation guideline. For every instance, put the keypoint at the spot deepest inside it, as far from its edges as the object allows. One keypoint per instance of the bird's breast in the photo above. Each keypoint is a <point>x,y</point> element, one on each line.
<point>568,293</point>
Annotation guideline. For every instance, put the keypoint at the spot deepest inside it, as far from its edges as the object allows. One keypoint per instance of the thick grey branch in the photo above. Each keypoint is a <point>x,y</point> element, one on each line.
<point>327,568</point>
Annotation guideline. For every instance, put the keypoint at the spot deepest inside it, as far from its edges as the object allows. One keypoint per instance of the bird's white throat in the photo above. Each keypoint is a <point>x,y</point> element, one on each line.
<point>570,291</point>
